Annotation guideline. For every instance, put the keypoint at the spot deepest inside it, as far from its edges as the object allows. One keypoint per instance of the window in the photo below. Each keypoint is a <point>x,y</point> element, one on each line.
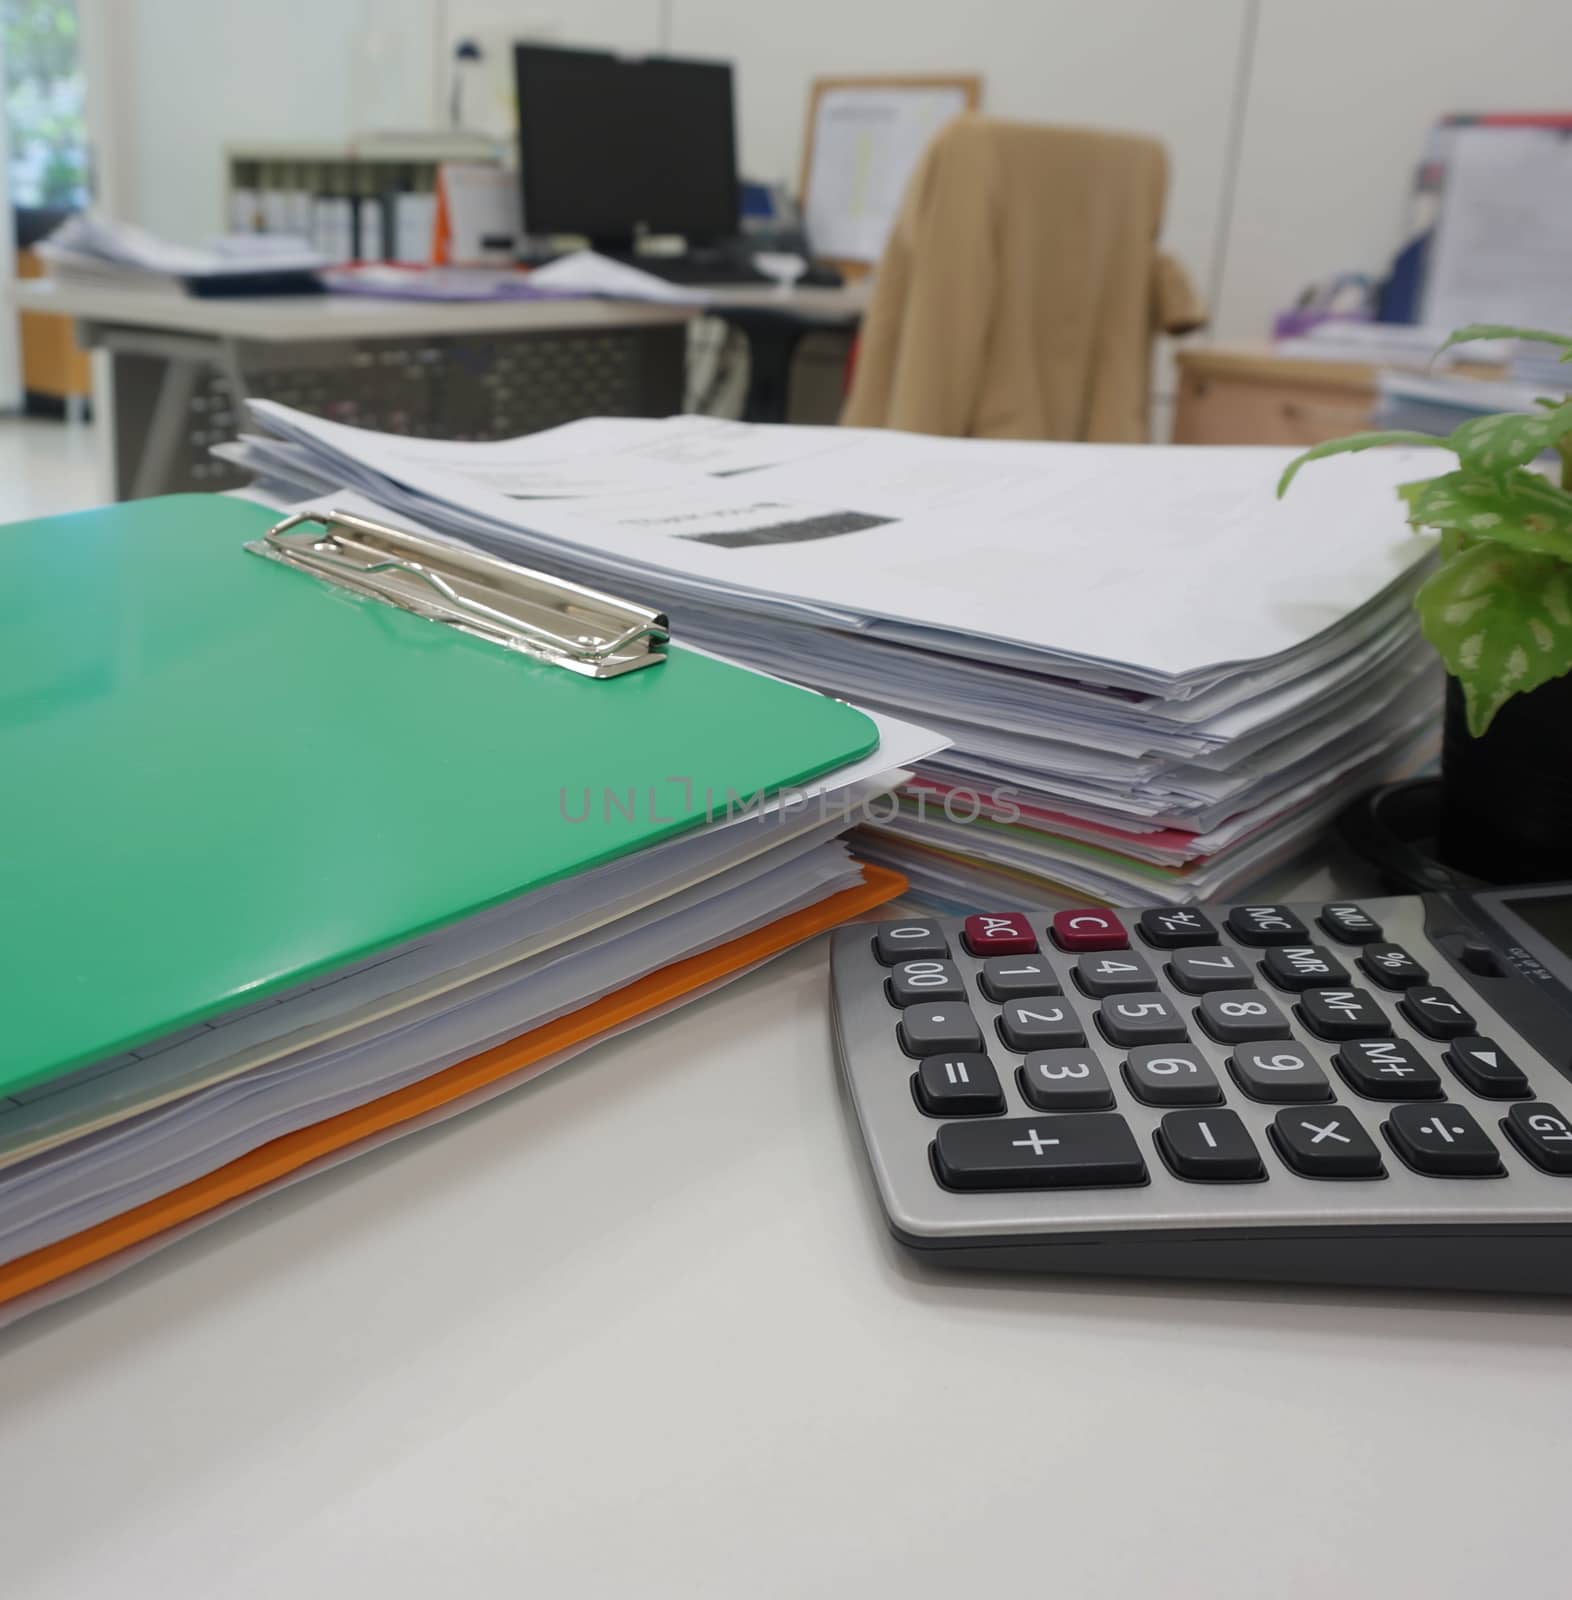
<point>44,103</point>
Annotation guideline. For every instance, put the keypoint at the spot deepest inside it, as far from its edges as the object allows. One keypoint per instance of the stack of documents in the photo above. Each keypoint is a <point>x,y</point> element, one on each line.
<point>1158,680</point>
<point>294,868</point>
<point>91,249</point>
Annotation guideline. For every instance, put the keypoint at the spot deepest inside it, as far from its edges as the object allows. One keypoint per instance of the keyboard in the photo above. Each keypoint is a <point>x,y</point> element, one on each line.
<point>1370,1093</point>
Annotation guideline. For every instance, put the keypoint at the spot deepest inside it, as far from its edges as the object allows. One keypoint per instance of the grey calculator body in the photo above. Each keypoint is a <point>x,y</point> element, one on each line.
<point>980,1189</point>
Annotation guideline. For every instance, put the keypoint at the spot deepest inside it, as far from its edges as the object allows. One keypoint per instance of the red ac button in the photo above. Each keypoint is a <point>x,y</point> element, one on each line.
<point>1005,933</point>
<point>1089,930</point>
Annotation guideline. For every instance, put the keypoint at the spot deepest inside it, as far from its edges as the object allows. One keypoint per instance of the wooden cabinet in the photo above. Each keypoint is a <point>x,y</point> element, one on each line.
<point>1250,396</point>
<point>52,364</point>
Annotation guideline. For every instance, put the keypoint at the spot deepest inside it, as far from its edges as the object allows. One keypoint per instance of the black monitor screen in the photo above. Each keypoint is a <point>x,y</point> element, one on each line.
<point>610,144</point>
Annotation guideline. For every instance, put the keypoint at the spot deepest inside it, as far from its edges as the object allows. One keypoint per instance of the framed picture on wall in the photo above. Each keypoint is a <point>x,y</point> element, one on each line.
<point>865,136</point>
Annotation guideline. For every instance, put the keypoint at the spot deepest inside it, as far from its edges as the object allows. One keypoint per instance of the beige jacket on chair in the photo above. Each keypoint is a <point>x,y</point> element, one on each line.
<point>1022,288</point>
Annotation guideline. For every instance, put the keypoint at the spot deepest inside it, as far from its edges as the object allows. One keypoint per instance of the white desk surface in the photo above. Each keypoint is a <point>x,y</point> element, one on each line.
<point>637,1330</point>
<point>295,318</point>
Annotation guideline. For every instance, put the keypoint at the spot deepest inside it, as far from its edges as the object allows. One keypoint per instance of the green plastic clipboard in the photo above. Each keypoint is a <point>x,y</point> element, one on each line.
<point>220,777</point>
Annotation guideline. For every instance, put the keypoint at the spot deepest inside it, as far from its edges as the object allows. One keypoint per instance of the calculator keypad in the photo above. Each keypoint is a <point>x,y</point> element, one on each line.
<point>1060,1052</point>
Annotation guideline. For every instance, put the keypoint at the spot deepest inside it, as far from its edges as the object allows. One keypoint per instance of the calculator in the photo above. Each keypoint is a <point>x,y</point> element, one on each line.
<point>1376,1093</point>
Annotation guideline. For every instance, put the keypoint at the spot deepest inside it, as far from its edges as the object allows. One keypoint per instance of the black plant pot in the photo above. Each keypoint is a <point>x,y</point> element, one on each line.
<point>1506,798</point>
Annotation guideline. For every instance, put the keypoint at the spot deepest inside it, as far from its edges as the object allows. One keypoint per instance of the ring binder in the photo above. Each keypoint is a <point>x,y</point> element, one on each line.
<point>551,619</point>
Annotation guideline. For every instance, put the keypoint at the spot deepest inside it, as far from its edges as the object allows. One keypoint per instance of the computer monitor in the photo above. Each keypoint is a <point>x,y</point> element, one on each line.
<point>611,146</point>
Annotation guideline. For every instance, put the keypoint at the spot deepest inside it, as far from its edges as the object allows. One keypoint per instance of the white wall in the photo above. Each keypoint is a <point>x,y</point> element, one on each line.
<point>1335,103</point>
<point>1341,93</point>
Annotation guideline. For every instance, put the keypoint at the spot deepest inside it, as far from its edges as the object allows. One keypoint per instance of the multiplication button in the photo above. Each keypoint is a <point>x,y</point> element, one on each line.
<point>1325,1142</point>
<point>1092,1151</point>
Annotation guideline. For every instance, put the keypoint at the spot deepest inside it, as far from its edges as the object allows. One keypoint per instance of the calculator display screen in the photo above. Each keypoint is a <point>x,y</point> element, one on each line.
<point>1550,916</point>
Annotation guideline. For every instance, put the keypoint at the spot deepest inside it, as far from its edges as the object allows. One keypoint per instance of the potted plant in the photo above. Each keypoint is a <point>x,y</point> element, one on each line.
<point>1498,609</point>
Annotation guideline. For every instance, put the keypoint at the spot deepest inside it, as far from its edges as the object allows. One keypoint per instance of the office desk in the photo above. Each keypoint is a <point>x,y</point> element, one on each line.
<point>170,371</point>
<point>637,1330</point>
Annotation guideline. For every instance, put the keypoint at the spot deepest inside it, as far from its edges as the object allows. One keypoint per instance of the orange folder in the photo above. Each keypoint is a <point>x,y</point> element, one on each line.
<point>277,1159</point>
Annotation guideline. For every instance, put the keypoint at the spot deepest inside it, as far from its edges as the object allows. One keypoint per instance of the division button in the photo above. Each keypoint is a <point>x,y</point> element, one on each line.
<point>1092,1151</point>
<point>962,1085</point>
<point>1443,1141</point>
<point>1325,1142</point>
<point>1208,1146</point>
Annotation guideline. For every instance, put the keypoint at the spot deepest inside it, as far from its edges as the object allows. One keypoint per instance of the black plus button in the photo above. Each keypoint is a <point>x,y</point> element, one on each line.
<point>1123,972</point>
<point>1173,930</point>
<point>961,1085</point>
<point>1042,1024</point>
<point>1435,1013</point>
<point>1350,924</point>
<point>1344,1014</point>
<point>1303,966</point>
<point>1167,1075</point>
<point>1279,1073</point>
<point>1134,1019</point>
<point>1391,966</point>
<point>1244,1014</point>
<point>1325,1142</point>
<point>902,941</point>
<point>1095,1150</point>
<point>1443,1141</point>
<point>1266,925</point>
<point>938,1029</point>
<point>911,981</point>
<point>1209,967</point>
<point>1542,1134</point>
<point>1208,1146</point>
<point>1387,1069</point>
<point>1065,1080</point>
<point>1487,1069</point>
<point>1017,978</point>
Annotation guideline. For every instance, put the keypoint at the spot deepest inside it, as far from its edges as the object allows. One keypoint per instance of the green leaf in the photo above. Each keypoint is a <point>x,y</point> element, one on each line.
<point>1502,622</point>
<point>1476,331</point>
<point>1497,443</point>
<point>1352,445</point>
<point>1521,510</point>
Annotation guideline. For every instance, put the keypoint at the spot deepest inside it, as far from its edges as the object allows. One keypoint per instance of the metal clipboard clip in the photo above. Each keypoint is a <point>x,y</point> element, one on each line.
<point>550,619</point>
